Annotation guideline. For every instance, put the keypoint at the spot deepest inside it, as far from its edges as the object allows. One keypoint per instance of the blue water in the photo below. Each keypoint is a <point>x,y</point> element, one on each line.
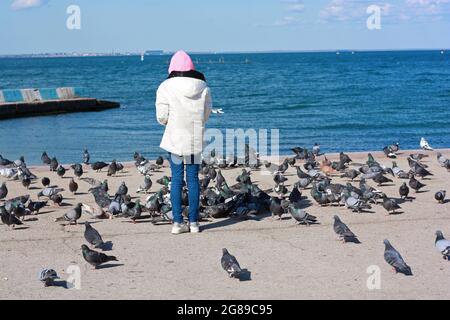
<point>344,102</point>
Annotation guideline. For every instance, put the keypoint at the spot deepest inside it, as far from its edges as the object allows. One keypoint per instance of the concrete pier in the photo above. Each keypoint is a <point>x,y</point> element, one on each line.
<point>40,102</point>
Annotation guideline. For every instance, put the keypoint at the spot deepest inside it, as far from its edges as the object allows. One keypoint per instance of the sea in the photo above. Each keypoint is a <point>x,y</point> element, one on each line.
<point>351,101</point>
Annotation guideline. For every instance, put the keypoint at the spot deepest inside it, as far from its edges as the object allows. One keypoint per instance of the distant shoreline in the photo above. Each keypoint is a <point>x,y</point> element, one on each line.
<point>168,53</point>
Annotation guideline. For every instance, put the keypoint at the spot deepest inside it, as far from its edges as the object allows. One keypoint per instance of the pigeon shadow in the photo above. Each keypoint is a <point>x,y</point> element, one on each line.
<point>107,246</point>
<point>34,188</point>
<point>31,220</point>
<point>20,228</point>
<point>353,240</point>
<point>424,191</point>
<point>65,205</point>
<point>245,275</point>
<point>61,284</point>
<point>110,266</point>
<point>446,201</point>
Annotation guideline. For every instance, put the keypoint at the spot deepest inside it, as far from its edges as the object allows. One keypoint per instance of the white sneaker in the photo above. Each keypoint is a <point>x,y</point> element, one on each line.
<point>180,228</point>
<point>195,227</point>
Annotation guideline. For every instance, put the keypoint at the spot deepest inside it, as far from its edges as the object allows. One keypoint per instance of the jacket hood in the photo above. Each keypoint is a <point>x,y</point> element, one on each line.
<point>187,87</point>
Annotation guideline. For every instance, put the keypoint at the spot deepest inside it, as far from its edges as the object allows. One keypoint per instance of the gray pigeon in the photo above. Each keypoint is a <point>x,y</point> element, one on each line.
<point>47,277</point>
<point>343,231</point>
<point>72,216</point>
<point>73,186</point>
<point>3,191</point>
<point>301,216</point>
<point>440,196</point>
<point>86,156</point>
<point>404,191</point>
<point>443,245</point>
<point>93,236</point>
<point>95,258</point>
<point>394,259</point>
<point>9,219</point>
<point>49,192</point>
<point>146,186</point>
<point>230,264</point>
<point>390,205</point>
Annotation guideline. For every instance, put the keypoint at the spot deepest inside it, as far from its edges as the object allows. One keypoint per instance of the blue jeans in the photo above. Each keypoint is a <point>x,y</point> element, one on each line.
<point>177,165</point>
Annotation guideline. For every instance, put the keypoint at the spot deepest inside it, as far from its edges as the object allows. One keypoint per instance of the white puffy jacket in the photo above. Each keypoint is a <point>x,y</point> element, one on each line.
<point>183,105</point>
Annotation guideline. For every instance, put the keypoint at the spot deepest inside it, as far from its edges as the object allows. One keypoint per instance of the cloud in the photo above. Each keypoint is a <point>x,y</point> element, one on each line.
<point>401,11</point>
<point>27,4</point>
<point>348,10</point>
<point>286,21</point>
<point>294,5</point>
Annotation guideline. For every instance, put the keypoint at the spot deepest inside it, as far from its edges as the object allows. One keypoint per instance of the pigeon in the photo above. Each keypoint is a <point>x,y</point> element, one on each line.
<point>49,192</point>
<point>316,149</point>
<point>301,216</point>
<point>5,162</point>
<point>54,164</point>
<point>35,207</point>
<point>92,236</point>
<point>390,205</point>
<point>134,212</point>
<point>8,218</point>
<point>415,184</point>
<point>20,162</point>
<point>425,145</point>
<point>61,171</point>
<point>343,231</point>
<point>399,173</point>
<point>46,159</point>
<point>160,161</point>
<point>99,166</point>
<point>276,208</point>
<point>351,174</point>
<point>389,153</point>
<point>73,186</point>
<point>220,180</point>
<point>440,196</point>
<point>3,191</point>
<point>442,245</point>
<point>57,199</point>
<point>95,258</point>
<point>230,265</point>
<point>404,191</point>
<point>279,178</point>
<point>296,196</point>
<point>26,182</point>
<point>119,167</point>
<point>123,190</point>
<point>381,179</point>
<point>95,211</point>
<point>8,172</point>
<point>47,277</point>
<point>394,259</point>
<point>45,182</point>
<point>77,170</point>
<point>86,156</point>
<point>146,186</point>
<point>443,161</point>
<point>112,169</point>
<point>72,216</point>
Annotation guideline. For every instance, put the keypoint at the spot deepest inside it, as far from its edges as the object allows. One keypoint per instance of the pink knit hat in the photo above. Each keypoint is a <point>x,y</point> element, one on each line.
<point>181,62</point>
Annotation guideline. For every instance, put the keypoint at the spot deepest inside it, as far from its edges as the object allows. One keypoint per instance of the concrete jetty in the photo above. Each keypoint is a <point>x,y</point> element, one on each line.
<point>40,102</point>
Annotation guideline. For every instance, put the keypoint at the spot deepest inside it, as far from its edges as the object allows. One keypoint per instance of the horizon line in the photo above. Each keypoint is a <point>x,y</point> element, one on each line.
<point>168,52</point>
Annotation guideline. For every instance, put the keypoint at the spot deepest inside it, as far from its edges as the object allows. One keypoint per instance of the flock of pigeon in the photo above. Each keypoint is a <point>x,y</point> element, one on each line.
<point>242,200</point>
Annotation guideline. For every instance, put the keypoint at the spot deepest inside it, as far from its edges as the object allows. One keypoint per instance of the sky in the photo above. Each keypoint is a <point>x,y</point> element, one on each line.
<point>38,26</point>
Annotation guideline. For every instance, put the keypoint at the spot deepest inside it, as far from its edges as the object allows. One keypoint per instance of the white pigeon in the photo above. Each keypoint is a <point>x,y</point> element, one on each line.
<point>443,245</point>
<point>217,111</point>
<point>425,145</point>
